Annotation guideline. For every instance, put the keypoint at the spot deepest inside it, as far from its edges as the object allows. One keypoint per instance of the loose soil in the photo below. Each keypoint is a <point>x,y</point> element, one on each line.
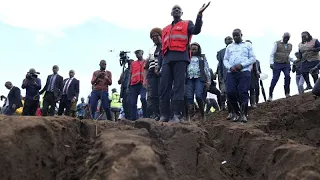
<point>280,142</point>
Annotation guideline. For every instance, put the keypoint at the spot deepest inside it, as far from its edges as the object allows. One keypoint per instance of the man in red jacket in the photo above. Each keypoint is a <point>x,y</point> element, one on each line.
<point>136,86</point>
<point>101,80</point>
<point>176,38</point>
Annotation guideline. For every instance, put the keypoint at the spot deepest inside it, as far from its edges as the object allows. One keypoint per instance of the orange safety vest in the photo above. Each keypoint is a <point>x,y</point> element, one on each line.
<point>175,38</point>
<point>137,72</point>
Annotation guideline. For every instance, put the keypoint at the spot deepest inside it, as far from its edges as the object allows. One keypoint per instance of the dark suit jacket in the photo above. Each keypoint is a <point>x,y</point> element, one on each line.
<point>14,97</point>
<point>222,70</point>
<point>73,90</point>
<point>58,85</point>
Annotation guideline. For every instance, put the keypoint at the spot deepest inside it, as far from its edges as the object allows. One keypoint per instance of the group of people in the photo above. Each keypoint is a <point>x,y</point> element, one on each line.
<point>175,79</point>
<point>56,89</point>
<point>176,71</point>
<point>307,63</point>
<point>173,73</point>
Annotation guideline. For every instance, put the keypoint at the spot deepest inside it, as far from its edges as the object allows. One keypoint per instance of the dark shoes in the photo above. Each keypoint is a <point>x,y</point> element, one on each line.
<point>239,116</point>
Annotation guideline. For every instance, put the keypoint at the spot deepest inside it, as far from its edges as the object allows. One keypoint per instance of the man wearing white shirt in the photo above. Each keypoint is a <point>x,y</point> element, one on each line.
<point>70,93</point>
<point>280,61</point>
<point>238,59</point>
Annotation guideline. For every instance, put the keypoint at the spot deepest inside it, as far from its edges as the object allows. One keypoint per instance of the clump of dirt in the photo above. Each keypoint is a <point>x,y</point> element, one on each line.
<point>280,142</point>
<point>127,154</point>
<point>41,148</point>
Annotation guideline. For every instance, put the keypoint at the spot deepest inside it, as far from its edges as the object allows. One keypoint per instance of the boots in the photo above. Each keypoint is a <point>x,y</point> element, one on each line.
<point>155,116</point>
<point>222,104</point>
<point>191,111</point>
<point>164,112</point>
<point>236,112</point>
<point>144,108</point>
<point>287,92</point>
<point>201,108</point>
<point>253,101</point>
<point>186,108</point>
<point>223,107</point>
<point>308,87</point>
<point>244,112</point>
<point>230,111</point>
<point>177,111</point>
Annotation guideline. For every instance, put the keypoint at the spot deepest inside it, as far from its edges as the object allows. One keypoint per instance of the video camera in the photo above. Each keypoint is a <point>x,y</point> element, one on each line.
<point>124,58</point>
<point>32,75</point>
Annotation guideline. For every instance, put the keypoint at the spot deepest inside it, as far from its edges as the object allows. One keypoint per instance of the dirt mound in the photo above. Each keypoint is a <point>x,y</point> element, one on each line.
<point>40,148</point>
<point>280,142</point>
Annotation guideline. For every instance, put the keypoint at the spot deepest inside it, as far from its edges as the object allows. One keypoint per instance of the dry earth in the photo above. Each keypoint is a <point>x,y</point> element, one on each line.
<point>280,142</point>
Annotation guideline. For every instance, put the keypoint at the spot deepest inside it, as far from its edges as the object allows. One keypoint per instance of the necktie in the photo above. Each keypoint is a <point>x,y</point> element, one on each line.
<point>50,88</point>
<point>66,86</point>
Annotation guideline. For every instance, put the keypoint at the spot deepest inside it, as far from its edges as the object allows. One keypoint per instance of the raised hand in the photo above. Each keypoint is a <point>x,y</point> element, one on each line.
<point>204,7</point>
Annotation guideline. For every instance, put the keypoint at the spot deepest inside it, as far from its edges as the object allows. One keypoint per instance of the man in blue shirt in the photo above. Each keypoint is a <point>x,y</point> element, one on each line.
<point>238,59</point>
<point>32,84</point>
<point>81,109</point>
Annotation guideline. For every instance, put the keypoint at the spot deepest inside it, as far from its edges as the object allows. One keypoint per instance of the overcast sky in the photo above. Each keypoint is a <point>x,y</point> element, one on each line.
<point>78,34</point>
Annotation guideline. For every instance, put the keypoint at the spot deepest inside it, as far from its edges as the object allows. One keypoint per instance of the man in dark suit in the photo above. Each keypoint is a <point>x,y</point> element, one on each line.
<point>70,94</point>
<point>53,89</point>
<point>13,101</point>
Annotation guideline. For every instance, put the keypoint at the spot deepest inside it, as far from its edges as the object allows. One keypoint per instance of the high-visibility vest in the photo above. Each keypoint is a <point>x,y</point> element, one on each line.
<point>137,72</point>
<point>175,38</point>
<point>115,101</point>
<point>20,109</point>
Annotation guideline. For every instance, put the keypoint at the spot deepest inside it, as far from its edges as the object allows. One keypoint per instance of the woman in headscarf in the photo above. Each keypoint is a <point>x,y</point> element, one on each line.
<point>309,55</point>
<point>151,74</point>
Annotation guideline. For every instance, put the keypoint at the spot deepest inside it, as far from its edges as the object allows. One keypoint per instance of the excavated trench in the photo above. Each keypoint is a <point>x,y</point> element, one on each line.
<point>280,142</point>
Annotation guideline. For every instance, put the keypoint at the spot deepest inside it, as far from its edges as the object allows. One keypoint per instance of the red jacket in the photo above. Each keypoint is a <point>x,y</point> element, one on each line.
<point>137,72</point>
<point>175,38</point>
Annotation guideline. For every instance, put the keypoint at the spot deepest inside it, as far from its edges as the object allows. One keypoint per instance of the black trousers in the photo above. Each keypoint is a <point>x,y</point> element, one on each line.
<point>30,107</point>
<point>214,90</point>
<point>173,76</point>
<point>49,100</point>
<point>153,95</point>
<point>64,106</point>
<point>126,104</point>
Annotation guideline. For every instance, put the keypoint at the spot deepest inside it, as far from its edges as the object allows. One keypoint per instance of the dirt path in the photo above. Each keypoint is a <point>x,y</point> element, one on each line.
<point>280,142</point>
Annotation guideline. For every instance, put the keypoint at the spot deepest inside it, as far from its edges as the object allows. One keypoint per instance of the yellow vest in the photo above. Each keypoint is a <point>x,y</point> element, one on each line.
<point>20,109</point>
<point>115,101</point>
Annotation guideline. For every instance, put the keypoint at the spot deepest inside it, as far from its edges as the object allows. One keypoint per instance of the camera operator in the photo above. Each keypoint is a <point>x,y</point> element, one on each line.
<point>124,89</point>
<point>32,84</point>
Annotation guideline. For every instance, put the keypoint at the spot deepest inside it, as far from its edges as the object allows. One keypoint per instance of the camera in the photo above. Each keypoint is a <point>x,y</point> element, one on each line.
<point>124,58</point>
<point>32,74</point>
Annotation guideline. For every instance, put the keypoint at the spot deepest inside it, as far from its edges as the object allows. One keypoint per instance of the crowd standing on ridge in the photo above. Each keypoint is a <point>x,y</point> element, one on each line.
<point>174,81</point>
